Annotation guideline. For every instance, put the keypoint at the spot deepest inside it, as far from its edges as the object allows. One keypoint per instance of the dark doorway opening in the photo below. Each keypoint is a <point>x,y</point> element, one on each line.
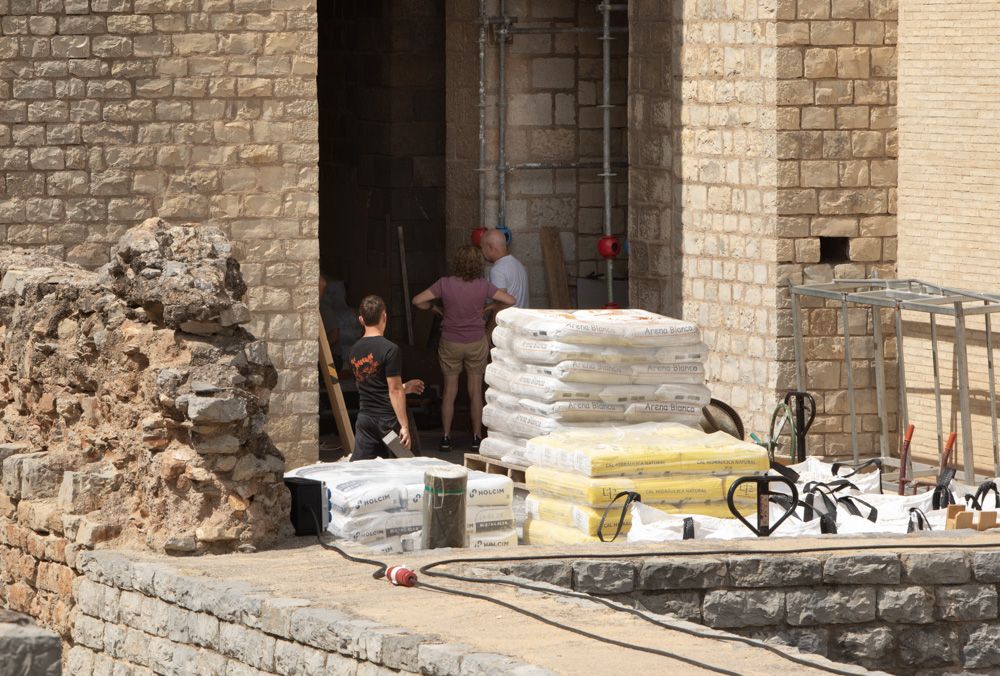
<point>381,96</point>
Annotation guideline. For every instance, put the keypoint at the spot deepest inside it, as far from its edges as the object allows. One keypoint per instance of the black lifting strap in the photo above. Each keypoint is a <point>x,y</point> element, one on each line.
<point>979,499</point>
<point>827,522</point>
<point>630,497</point>
<point>851,502</point>
<point>942,497</point>
<point>786,472</point>
<point>874,462</point>
<point>918,520</point>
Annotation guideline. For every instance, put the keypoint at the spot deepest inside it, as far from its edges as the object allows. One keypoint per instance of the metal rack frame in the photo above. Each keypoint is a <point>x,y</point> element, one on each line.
<point>918,296</point>
<point>505,29</point>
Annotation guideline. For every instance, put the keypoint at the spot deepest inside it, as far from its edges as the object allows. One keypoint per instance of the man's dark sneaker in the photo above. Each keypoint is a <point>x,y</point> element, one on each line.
<point>445,444</point>
<point>476,440</point>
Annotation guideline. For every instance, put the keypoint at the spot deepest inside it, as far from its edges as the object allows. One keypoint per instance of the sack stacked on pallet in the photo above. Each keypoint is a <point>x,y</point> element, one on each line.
<point>379,503</point>
<point>575,475</point>
<point>556,370</point>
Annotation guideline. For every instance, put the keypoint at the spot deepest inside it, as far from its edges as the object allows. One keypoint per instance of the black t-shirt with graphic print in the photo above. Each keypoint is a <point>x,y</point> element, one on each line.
<point>374,359</point>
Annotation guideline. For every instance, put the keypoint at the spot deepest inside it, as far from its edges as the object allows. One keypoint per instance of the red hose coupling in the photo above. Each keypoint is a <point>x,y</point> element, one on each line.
<point>609,246</point>
<point>401,577</point>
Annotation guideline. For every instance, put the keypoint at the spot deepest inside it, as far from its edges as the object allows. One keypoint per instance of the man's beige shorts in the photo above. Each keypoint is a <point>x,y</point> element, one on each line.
<point>471,357</point>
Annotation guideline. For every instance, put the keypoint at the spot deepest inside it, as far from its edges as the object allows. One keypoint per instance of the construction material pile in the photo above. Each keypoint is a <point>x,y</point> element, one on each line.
<point>575,475</point>
<point>378,503</point>
<point>555,370</point>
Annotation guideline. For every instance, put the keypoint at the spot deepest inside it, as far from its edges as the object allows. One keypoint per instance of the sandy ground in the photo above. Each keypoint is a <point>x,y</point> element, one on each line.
<point>304,570</point>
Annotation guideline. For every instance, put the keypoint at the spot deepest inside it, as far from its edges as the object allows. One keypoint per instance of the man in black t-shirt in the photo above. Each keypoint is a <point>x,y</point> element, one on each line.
<point>376,364</point>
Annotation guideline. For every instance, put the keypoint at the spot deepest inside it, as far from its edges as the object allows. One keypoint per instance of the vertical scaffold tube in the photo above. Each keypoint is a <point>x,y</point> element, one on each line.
<point>605,9</point>
<point>503,33</point>
<point>483,25</point>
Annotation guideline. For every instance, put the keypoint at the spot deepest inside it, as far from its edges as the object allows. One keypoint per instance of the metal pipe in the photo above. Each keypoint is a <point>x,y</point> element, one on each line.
<point>993,395</point>
<point>483,25</point>
<point>606,174</point>
<point>564,29</point>
<point>503,34</point>
<point>850,380</point>
<point>800,357</point>
<point>883,428</point>
<point>962,357</point>
<point>904,414</point>
<point>563,165</point>
<point>937,385</point>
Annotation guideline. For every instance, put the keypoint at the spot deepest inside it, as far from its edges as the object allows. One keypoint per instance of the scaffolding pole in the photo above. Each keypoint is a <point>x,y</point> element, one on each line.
<point>483,27</point>
<point>605,9</point>
<point>503,35</point>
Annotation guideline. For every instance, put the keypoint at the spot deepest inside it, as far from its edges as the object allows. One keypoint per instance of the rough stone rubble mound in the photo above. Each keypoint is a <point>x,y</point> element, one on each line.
<point>132,404</point>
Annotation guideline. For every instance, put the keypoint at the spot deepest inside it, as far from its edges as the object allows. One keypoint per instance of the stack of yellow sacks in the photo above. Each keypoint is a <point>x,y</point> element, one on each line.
<point>574,475</point>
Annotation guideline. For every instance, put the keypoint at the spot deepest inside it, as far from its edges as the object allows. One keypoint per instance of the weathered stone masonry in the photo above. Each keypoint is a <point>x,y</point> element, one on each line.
<point>905,613</point>
<point>199,111</point>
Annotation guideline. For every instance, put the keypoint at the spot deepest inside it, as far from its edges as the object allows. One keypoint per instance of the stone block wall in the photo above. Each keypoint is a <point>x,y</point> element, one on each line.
<point>141,617</point>
<point>554,83</point>
<point>837,148</point>
<point>948,195</point>
<point>200,111</point>
<point>906,613</point>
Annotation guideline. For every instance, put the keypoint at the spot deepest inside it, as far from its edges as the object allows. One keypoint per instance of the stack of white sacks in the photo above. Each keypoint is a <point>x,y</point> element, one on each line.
<point>556,370</point>
<point>379,503</point>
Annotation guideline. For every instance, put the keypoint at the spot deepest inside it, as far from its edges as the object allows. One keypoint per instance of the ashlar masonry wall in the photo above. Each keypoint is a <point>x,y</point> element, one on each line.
<point>197,111</point>
<point>906,613</point>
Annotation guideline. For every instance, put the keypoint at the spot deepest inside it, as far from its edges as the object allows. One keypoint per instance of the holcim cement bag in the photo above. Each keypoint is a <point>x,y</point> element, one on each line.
<point>629,328</point>
<point>522,424</point>
<point>575,411</point>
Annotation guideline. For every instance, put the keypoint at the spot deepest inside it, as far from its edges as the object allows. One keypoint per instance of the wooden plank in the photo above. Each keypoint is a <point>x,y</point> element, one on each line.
<point>334,392</point>
<point>407,307</point>
<point>556,279</point>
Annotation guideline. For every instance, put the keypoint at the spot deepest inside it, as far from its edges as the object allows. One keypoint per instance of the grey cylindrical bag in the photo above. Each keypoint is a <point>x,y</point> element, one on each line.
<point>444,507</point>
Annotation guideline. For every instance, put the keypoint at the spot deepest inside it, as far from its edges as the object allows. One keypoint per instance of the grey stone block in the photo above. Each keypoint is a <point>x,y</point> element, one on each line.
<point>237,668</point>
<point>936,568</point>
<point>906,605</point>
<point>339,664</point>
<point>355,639</point>
<point>743,608</point>
<point>247,645</point>
<point>595,576</point>
<point>130,609</point>
<point>204,630</point>
<point>400,649</point>
<point>967,602</point>
<point>682,573</point>
<point>775,571</point>
<point>553,572</point>
<point>683,604</point>
<point>80,660</point>
<point>293,659</point>
<point>276,615</point>
<point>27,650</point>
<point>317,627</point>
<point>97,600</point>
<point>830,605</point>
<point>142,577</point>
<point>488,664</point>
<point>933,645</point>
<point>862,569</point>
<point>114,639</point>
<point>981,647</point>
<point>139,648</point>
<point>807,640</point>
<point>107,567</point>
<point>986,566</point>
<point>867,645</point>
<point>89,631</point>
<point>441,659</point>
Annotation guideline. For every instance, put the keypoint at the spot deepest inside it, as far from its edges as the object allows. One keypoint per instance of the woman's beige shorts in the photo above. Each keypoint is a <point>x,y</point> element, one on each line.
<point>472,357</point>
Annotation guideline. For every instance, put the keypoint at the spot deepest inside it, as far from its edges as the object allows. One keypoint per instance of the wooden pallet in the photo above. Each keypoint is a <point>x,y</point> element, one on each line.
<point>493,466</point>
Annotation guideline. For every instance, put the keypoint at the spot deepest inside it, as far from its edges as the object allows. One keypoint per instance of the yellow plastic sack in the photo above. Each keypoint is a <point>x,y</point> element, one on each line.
<point>646,450</point>
<point>538,532</point>
<point>600,491</point>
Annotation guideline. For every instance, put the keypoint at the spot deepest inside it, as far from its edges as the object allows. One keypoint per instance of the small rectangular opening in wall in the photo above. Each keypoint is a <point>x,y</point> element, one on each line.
<point>834,250</point>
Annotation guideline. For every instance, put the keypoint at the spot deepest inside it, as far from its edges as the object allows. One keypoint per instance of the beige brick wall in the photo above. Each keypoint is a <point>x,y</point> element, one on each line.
<point>554,89</point>
<point>199,112</point>
<point>837,139</point>
<point>949,199</point>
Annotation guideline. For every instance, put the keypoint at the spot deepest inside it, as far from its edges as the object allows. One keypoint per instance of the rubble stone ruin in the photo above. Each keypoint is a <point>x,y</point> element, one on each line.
<point>133,403</point>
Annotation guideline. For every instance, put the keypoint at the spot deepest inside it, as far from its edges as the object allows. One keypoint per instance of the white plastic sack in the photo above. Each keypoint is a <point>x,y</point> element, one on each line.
<point>524,425</point>
<point>663,411</point>
<point>547,352</point>
<point>501,445</point>
<point>629,328</point>
<point>380,526</point>
<point>538,387</point>
<point>814,469</point>
<point>652,525</point>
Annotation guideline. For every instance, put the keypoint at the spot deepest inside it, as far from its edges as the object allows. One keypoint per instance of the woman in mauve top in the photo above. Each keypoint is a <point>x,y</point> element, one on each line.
<point>464,345</point>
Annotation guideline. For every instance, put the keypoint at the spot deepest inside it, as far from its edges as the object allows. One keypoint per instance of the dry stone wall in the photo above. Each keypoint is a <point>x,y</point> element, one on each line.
<point>141,617</point>
<point>918,612</point>
<point>203,111</point>
<point>132,411</point>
